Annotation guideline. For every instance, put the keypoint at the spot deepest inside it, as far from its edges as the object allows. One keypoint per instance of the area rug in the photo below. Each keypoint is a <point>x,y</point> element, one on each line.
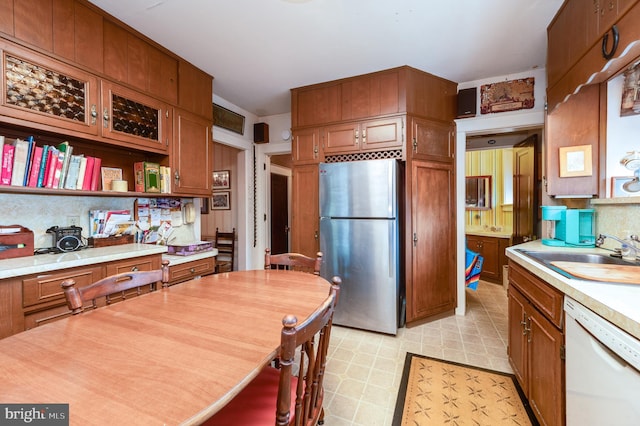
<point>437,392</point>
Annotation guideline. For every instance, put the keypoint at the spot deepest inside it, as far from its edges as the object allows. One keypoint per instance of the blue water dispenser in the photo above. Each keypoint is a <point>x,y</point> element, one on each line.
<point>568,227</point>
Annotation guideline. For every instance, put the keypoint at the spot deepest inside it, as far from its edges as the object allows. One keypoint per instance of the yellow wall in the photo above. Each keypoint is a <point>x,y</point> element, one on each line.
<point>490,162</point>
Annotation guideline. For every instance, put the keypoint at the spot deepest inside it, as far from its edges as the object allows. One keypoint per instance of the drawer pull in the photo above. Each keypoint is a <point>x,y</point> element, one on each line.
<point>134,269</point>
<point>192,270</point>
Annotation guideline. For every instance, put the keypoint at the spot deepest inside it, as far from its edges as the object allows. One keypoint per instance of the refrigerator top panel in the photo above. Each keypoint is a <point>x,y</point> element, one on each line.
<point>359,189</point>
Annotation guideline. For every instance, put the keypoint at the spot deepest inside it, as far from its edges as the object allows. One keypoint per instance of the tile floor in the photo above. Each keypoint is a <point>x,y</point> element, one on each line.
<point>364,368</point>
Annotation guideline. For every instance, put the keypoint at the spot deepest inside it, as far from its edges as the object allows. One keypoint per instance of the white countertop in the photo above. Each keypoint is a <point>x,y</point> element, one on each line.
<point>28,265</point>
<point>616,302</point>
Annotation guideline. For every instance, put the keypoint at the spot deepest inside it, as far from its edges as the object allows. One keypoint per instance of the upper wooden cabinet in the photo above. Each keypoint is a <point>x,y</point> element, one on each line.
<point>40,90</point>
<point>192,159</point>
<point>389,92</point>
<point>371,95</point>
<point>305,146</point>
<point>371,135</point>
<point>131,60</point>
<point>195,90</point>
<point>431,140</point>
<point>71,71</point>
<point>581,48</point>
<point>131,118</point>
<point>575,123</point>
<point>317,104</point>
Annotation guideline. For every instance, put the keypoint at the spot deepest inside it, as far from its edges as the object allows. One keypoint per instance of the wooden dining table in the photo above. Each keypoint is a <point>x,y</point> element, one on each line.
<point>169,357</point>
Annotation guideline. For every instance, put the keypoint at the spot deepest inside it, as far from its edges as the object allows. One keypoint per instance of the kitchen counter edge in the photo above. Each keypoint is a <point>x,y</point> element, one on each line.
<point>28,265</point>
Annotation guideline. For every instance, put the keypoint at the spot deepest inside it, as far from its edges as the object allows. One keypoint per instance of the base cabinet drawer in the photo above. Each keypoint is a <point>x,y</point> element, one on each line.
<point>146,263</point>
<point>186,271</point>
<point>45,289</point>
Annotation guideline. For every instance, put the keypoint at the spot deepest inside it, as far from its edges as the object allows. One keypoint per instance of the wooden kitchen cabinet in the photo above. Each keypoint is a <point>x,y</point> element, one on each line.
<point>315,105</point>
<point>575,123</point>
<point>195,90</point>
<point>107,89</point>
<point>368,117</point>
<point>192,158</point>
<point>431,244</point>
<point>372,135</point>
<point>47,92</point>
<point>131,60</point>
<point>575,44</point>
<point>189,270</point>
<point>536,343</point>
<point>306,146</point>
<point>371,95</point>
<point>131,118</point>
<point>305,216</point>
<point>431,140</point>
<point>492,249</point>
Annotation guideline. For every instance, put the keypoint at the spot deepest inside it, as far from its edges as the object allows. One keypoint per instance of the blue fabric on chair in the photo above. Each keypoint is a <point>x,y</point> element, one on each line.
<point>473,268</point>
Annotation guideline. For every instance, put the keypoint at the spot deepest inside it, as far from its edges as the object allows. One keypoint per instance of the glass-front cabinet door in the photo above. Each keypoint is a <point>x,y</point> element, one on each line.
<point>37,89</point>
<point>129,117</point>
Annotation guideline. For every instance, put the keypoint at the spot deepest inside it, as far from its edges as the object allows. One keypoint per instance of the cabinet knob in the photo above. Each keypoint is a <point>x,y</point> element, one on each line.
<point>105,118</point>
<point>134,269</point>
<point>94,114</point>
<point>192,270</point>
<point>364,136</point>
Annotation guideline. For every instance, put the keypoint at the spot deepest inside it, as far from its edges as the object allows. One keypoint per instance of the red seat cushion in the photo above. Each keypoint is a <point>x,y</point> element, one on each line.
<point>255,405</point>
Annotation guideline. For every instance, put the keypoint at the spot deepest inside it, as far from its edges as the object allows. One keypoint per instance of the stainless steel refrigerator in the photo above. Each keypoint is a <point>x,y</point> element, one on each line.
<point>359,239</point>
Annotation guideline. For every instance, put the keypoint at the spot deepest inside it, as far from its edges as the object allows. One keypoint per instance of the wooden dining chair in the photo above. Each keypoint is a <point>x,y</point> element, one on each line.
<point>226,244</point>
<point>282,396</point>
<point>118,283</point>
<point>293,261</point>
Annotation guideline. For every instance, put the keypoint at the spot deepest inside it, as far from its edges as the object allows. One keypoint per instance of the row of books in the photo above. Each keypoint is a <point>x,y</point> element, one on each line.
<point>152,177</point>
<point>26,164</point>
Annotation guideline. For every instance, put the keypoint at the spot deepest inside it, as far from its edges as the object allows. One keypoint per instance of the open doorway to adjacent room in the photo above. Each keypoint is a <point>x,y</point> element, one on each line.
<point>279,240</point>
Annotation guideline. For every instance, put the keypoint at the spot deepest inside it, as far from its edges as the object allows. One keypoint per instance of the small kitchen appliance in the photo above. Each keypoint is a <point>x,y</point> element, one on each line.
<point>568,227</point>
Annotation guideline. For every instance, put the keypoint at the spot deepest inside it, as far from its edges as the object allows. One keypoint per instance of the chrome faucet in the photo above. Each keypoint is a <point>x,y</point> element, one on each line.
<point>628,245</point>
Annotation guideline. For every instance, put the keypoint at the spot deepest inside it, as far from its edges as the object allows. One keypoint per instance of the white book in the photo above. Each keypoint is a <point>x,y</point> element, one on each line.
<point>72,172</point>
<point>81,172</point>
<point>19,162</point>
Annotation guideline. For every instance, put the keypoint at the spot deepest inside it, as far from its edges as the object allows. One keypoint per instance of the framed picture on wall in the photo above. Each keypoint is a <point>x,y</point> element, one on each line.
<point>221,179</point>
<point>617,189</point>
<point>221,200</point>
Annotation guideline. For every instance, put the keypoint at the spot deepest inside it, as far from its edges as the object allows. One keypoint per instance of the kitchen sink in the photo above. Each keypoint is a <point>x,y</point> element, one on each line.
<point>546,257</point>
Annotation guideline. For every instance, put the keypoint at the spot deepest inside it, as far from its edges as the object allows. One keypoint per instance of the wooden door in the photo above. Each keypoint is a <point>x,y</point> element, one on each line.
<point>279,214</point>
<point>572,124</point>
<point>431,140</point>
<point>305,146</point>
<point>546,384</point>
<point>192,157</point>
<point>517,348</point>
<point>382,134</point>
<point>341,138</point>
<point>305,218</point>
<point>431,287</point>
<point>525,190</point>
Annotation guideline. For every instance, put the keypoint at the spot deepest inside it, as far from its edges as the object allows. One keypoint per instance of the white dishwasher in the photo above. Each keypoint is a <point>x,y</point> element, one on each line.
<point>602,370</point>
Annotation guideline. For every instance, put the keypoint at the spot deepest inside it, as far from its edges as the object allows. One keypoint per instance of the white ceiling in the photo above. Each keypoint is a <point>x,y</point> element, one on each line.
<point>259,49</point>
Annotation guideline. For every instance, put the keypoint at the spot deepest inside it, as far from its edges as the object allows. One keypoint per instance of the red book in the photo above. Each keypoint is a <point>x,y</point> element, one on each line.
<point>96,176</point>
<point>7,164</point>
<point>52,162</point>
<point>57,172</point>
<point>138,176</point>
<point>88,174</point>
<point>35,167</point>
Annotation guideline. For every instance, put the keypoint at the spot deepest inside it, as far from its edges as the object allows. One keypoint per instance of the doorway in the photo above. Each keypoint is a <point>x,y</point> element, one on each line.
<point>279,213</point>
